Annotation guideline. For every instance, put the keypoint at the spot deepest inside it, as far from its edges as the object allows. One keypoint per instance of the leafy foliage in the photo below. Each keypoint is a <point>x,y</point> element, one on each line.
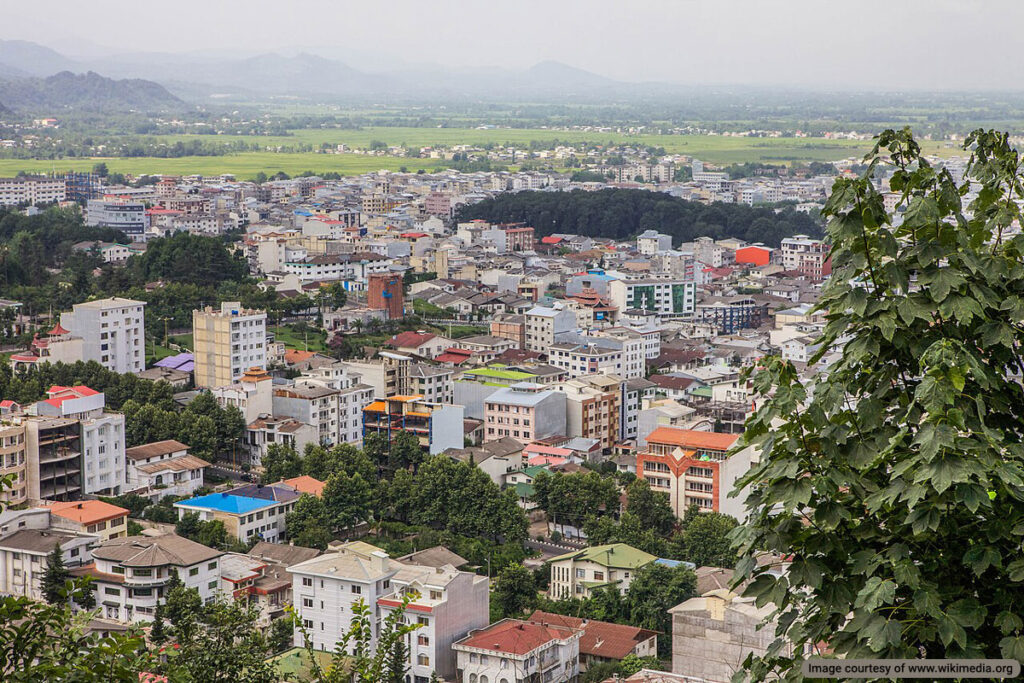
<point>896,486</point>
<point>621,213</point>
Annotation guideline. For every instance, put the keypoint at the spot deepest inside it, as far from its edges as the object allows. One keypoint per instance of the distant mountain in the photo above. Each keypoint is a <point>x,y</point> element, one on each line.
<point>551,74</point>
<point>88,91</point>
<point>33,59</point>
<point>316,76</point>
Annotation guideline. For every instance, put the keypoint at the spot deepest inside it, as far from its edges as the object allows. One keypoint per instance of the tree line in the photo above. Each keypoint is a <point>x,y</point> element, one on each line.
<point>621,214</point>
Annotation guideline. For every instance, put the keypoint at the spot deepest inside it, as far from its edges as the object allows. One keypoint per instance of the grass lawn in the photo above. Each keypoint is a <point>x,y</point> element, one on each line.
<point>308,341</point>
<point>182,340</point>
<point>157,352</point>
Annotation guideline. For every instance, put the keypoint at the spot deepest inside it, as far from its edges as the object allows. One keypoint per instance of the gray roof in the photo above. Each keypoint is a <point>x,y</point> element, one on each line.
<point>40,541</point>
<point>438,556</point>
<point>283,554</point>
<point>157,551</point>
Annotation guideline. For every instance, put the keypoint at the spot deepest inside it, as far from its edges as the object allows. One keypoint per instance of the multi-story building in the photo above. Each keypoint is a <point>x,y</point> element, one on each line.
<point>603,641</point>
<point>807,255</point>
<point>23,551</point>
<point>96,517</point>
<point>54,458</point>
<point>227,343</point>
<point>163,468</point>
<point>686,465</point>
<point>113,332</point>
<point>588,357</point>
<point>120,214</point>
<point>130,574</point>
<point>543,323</point>
<point>32,190</point>
<point>247,511</point>
<point>312,404</point>
<point>13,463</point>
<point>437,426</point>
<point>102,436</point>
<point>593,408</point>
<point>711,253</point>
<point>353,396</point>
<point>666,298</point>
<point>519,651</point>
<point>261,577</point>
<point>634,393</point>
<point>447,604</point>
<point>526,411</point>
<point>650,242</point>
<point>577,574</point>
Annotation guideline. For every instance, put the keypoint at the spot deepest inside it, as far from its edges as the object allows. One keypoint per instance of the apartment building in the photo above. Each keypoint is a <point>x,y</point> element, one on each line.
<point>434,383</point>
<point>525,411</point>
<point>650,242</point>
<point>602,641</point>
<point>807,255</point>
<point>686,465</point>
<point>102,436</point>
<point>665,297</point>
<point>113,332</point>
<point>53,458</point>
<point>23,551</point>
<point>577,574</point>
<point>130,574</point>
<point>634,393</point>
<point>543,323</point>
<point>353,396</point>
<point>227,343</point>
<point>437,426</point>
<point>593,408</point>
<point>589,357</point>
<point>247,511</point>
<point>519,651</point>
<point>128,216</point>
<point>312,404</point>
<point>13,463</point>
<point>447,603</point>
<point>32,190</point>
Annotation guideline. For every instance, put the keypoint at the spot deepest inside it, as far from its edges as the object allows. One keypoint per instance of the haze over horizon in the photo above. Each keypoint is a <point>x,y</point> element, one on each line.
<point>799,43</point>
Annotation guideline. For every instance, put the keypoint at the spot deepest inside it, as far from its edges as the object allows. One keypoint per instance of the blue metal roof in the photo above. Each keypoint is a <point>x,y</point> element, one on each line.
<point>225,502</point>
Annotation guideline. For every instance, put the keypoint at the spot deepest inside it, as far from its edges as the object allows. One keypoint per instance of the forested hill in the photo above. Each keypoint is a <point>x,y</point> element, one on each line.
<point>88,91</point>
<point>622,214</point>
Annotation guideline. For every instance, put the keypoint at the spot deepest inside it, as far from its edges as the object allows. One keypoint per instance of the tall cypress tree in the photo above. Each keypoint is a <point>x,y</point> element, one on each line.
<point>55,578</point>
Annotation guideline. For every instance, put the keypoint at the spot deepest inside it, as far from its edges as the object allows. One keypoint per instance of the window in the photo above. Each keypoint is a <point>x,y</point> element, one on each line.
<point>212,565</point>
<point>435,595</point>
<point>212,585</point>
<point>423,620</point>
<point>357,589</point>
<point>423,660</point>
<point>307,602</point>
<point>194,571</point>
<point>423,640</point>
<point>142,572</point>
<point>308,623</point>
<point>306,581</point>
<point>107,590</point>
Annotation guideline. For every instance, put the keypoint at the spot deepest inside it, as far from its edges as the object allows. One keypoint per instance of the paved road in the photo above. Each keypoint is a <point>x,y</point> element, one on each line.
<point>230,473</point>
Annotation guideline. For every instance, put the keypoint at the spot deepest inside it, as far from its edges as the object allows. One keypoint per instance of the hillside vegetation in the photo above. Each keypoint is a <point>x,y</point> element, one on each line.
<point>621,214</point>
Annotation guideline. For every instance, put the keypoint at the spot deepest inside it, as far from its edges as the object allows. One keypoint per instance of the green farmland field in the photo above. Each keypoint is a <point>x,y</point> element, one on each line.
<point>715,149</point>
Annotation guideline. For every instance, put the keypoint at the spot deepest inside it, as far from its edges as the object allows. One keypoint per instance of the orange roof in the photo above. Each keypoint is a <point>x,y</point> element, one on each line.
<point>375,407</point>
<point>306,484</point>
<point>405,399</point>
<point>293,356</point>
<point>87,511</point>
<point>690,439</point>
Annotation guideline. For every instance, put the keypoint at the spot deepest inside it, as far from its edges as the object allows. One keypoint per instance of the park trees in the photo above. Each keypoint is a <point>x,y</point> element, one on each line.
<point>896,485</point>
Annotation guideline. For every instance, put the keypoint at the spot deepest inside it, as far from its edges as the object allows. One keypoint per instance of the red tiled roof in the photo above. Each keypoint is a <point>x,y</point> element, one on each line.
<point>87,511</point>
<point>306,484</point>
<point>600,638</point>
<point>691,439</point>
<point>411,340</point>
<point>668,382</point>
<point>516,637</point>
<point>293,356</point>
<point>550,240</point>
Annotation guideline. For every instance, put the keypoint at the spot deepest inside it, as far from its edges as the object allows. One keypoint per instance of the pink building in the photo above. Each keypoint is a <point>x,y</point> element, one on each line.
<point>525,411</point>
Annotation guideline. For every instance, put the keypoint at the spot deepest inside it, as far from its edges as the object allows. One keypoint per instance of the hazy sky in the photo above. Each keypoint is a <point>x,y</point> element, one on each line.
<point>818,43</point>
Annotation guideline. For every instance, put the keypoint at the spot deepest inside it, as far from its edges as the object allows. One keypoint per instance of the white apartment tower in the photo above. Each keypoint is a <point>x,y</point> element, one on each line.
<point>113,332</point>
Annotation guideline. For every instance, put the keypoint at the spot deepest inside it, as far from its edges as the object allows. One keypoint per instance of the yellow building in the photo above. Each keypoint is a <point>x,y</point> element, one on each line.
<point>227,343</point>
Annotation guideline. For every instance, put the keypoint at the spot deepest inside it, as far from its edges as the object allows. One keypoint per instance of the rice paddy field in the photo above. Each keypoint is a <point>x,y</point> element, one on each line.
<point>278,154</point>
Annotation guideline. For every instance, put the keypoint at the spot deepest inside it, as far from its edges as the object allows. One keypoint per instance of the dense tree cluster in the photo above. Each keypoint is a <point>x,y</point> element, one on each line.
<point>621,214</point>
<point>397,485</point>
<point>203,425</point>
